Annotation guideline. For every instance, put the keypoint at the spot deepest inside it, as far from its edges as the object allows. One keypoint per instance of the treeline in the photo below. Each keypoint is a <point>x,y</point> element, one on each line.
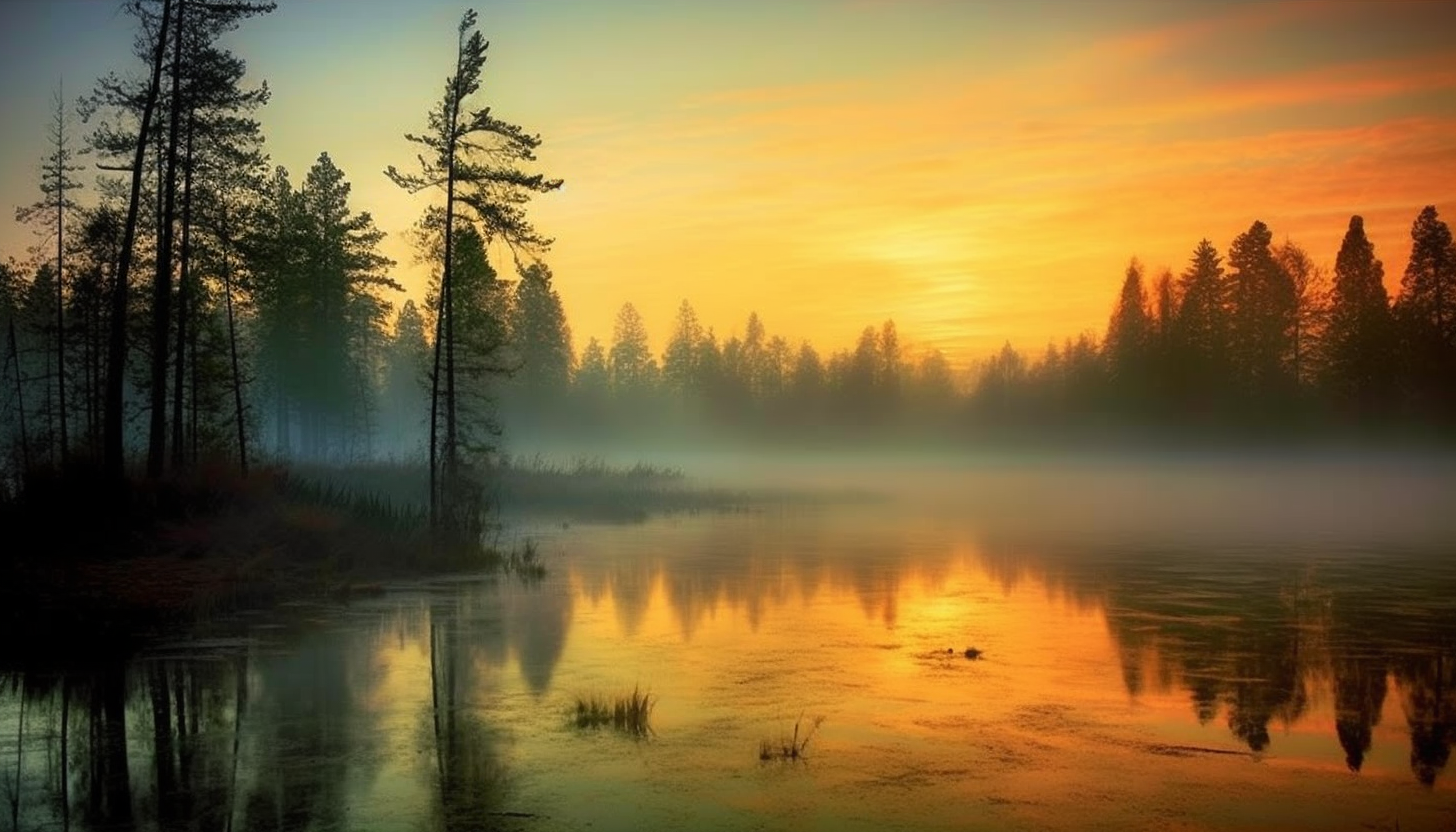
<point>1264,343</point>
<point>209,305</point>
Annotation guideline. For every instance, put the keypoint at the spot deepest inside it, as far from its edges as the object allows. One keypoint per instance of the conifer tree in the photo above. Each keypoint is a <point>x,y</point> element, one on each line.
<point>1358,343</point>
<point>1426,312</point>
<point>475,159</point>
<point>50,213</point>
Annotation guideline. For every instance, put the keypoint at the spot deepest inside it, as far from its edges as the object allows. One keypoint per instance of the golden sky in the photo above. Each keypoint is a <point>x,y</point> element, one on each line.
<point>980,172</point>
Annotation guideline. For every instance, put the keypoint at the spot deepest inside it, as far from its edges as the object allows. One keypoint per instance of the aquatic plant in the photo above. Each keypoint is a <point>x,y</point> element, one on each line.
<point>524,561</point>
<point>629,713</point>
<point>790,746</point>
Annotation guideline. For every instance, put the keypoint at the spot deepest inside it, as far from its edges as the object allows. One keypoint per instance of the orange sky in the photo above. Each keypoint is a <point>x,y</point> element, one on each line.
<point>977,171</point>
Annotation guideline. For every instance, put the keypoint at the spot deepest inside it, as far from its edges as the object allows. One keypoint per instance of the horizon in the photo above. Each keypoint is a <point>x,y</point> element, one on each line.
<point>930,163</point>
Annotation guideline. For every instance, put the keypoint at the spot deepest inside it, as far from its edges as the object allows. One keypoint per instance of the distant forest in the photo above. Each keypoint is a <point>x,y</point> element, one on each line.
<point>207,305</point>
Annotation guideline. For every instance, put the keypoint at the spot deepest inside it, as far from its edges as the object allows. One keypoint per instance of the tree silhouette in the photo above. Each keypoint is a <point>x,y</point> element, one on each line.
<point>541,339</point>
<point>1130,340</point>
<point>633,369</point>
<point>474,158</point>
<point>1358,343</point>
<point>1203,330</point>
<point>55,183</point>
<point>1426,311</point>
<point>1311,308</point>
<point>1261,304</point>
<point>679,359</point>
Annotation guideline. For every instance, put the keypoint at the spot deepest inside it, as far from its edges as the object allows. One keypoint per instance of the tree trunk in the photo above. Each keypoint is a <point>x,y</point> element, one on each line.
<point>227,288</point>
<point>184,303</point>
<point>116,348</point>
<point>19,401</point>
<point>60,284</point>
<point>162,282</point>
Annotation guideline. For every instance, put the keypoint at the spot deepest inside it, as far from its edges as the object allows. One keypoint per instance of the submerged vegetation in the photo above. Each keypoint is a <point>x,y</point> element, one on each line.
<point>630,713</point>
<point>790,747</point>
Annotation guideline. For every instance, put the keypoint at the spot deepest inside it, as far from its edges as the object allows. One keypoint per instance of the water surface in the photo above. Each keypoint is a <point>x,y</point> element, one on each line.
<point>1196,671</point>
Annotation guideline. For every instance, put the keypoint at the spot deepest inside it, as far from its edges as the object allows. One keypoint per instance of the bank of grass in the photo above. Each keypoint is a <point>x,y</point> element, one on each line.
<point>630,713</point>
<point>582,488</point>
<point>85,556</point>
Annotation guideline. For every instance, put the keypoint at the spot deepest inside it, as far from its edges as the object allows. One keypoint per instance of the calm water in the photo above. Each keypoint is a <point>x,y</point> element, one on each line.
<point>1204,669</point>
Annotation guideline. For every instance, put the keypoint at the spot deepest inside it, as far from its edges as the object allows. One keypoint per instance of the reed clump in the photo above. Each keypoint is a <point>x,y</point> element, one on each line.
<point>630,713</point>
<point>793,746</point>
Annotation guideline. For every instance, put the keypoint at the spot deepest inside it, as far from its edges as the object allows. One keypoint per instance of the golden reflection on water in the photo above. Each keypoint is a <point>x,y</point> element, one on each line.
<point>1091,691</point>
<point>1120,686</point>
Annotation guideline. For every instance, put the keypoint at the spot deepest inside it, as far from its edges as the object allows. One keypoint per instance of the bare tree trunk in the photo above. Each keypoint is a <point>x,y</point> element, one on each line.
<point>60,282</point>
<point>227,288</point>
<point>162,283</point>
<point>434,410</point>
<point>184,302</point>
<point>19,401</point>
<point>116,351</point>
<point>447,317</point>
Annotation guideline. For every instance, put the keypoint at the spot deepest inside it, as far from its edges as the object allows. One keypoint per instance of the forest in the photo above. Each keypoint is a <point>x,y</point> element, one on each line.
<point>198,306</point>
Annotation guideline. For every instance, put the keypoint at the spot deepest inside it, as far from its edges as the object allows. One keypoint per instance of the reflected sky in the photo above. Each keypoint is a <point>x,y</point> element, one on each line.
<point>1131,684</point>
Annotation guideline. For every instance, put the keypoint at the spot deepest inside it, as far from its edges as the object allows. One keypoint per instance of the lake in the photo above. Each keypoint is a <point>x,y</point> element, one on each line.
<point>1170,647</point>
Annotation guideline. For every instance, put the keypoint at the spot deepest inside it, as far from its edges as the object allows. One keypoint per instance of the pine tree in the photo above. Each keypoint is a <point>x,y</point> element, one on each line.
<point>1359,346</point>
<point>1202,329</point>
<point>1261,303</point>
<point>1311,290</point>
<point>1426,313</point>
<point>1129,340</point>
<point>541,337</point>
<point>679,360</point>
<point>50,213</point>
<point>314,271</point>
<point>633,369</point>
<point>474,158</point>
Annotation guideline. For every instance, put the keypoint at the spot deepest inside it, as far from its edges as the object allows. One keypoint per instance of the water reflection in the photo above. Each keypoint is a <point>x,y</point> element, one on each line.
<point>423,708</point>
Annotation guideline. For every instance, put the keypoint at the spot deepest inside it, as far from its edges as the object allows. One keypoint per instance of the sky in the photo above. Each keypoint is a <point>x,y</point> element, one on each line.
<point>979,172</point>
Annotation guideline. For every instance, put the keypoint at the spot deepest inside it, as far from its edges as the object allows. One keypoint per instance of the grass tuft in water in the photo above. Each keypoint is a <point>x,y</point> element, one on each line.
<point>524,561</point>
<point>629,713</point>
<point>793,746</point>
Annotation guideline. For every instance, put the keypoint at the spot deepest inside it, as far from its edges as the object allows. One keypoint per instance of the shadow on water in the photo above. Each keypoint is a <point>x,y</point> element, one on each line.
<point>282,728</point>
<point>393,712</point>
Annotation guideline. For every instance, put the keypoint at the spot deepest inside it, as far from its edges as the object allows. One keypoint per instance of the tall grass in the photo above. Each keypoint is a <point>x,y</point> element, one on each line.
<point>790,746</point>
<point>630,713</point>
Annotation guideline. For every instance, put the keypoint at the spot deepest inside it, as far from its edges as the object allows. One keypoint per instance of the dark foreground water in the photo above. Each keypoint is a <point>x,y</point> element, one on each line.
<point>1255,658</point>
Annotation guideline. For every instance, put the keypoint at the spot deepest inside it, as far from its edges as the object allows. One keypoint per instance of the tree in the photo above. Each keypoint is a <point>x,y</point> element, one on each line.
<point>679,360</point>
<point>1358,342</point>
<point>1426,312</point>
<point>474,158</point>
<point>96,246</point>
<point>1202,329</point>
<point>630,359</point>
<point>1310,286</point>
<point>1261,304</point>
<point>1129,339</point>
<point>541,337</point>
<point>315,268</point>
<point>405,375</point>
<point>481,334</point>
<point>185,29</point>
<point>221,164</point>
<point>592,379</point>
<point>55,182</point>
<point>116,342</point>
